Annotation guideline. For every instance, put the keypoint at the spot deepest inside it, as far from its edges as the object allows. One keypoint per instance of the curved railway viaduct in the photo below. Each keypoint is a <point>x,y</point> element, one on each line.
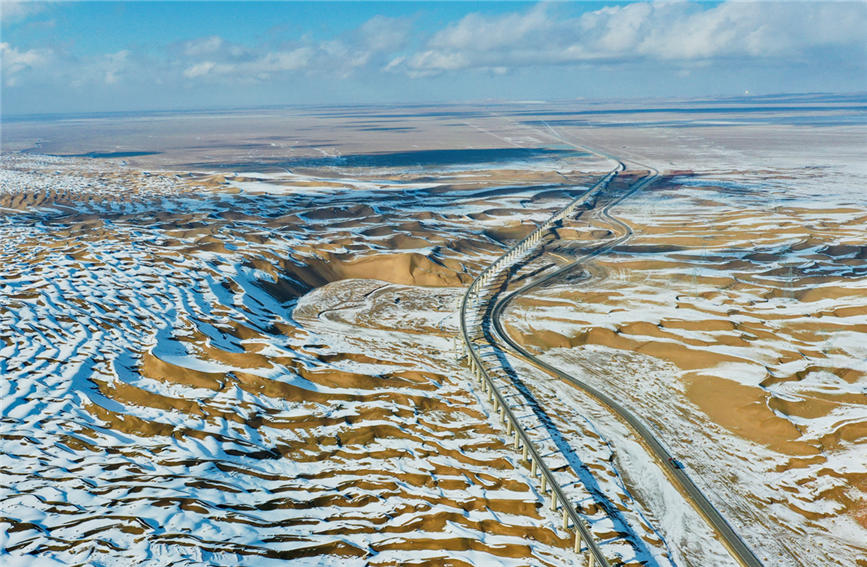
<point>481,328</point>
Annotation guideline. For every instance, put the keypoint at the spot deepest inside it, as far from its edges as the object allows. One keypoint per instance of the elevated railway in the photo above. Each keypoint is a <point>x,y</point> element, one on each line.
<point>481,326</point>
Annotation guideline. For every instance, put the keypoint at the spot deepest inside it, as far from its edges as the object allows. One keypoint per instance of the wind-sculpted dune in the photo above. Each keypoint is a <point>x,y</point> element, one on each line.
<point>216,370</point>
<point>734,322</point>
<point>231,338</point>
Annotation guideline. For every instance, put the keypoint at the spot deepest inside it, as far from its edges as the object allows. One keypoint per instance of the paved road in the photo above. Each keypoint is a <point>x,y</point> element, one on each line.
<point>672,468</point>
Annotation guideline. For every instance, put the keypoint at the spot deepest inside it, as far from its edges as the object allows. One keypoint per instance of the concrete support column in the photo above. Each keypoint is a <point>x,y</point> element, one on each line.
<point>553,499</point>
<point>565,518</point>
<point>577,547</point>
<point>544,482</point>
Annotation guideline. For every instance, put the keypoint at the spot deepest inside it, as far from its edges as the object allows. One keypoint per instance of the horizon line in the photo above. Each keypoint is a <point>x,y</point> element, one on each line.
<point>24,117</point>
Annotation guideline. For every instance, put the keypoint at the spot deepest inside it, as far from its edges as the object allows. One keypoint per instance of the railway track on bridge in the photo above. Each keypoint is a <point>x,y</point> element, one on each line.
<point>480,319</point>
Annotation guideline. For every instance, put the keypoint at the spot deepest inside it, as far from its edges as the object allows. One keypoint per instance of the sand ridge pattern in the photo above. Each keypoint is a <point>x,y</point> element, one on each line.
<point>202,378</point>
<point>237,349</point>
<point>580,456</point>
<point>735,322</point>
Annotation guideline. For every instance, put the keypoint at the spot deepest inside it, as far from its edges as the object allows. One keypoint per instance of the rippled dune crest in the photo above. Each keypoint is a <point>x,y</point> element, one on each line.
<point>206,372</point>
<point>735,323</point>
<point>234,344</point>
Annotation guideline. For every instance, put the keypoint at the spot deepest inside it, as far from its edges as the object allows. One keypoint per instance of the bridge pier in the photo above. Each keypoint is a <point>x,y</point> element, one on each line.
<point>474,327</point>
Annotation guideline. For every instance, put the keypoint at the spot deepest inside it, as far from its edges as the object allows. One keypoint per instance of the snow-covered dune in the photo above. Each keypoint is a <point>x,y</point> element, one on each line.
<point>181,384</point>
<point>735,323</point>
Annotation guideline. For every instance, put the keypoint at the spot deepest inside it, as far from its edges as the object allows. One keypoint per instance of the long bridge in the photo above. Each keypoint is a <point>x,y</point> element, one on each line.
<point>482,331</point>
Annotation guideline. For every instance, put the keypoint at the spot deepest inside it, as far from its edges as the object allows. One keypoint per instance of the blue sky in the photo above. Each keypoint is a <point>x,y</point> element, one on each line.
<point>112,56</point>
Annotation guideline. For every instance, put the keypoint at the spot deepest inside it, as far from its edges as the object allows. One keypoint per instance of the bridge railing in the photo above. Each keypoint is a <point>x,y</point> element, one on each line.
<point>530,454</point>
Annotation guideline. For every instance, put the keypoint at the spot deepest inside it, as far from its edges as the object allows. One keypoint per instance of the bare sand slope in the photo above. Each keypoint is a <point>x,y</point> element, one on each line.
<point>245,370</point>
<point>736,323</point>
<point>223,354</point>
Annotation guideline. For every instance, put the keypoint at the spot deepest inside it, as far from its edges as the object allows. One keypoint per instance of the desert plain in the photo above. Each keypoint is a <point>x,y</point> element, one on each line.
<point>232,338</point>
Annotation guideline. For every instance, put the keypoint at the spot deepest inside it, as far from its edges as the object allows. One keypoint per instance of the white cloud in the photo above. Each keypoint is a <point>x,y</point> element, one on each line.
<point>14,63</point>
<point>15,11</point>
<point>253,68</point>
<point>203,46</point>
<point>213,58</point>
<point>475,32</point>
<point>380,34</point>
<point>284,60</point>
<point>113,65</point>
<point>434,61</point>
<point>665,31</point>
<point>199,69</point>
<point>373,43</point>
<point>680,35</point>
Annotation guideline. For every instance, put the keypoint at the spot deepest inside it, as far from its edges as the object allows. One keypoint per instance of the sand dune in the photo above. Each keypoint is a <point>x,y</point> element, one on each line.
<point>250,376</point>
<point>214,356</point>
<point>760,316</point>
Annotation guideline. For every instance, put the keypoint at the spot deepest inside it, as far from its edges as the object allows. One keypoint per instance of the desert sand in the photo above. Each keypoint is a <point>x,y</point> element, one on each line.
<point>233,341</point>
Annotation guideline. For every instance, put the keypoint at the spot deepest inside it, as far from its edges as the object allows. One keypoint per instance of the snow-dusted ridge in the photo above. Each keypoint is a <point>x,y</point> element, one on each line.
<point>173,391</point>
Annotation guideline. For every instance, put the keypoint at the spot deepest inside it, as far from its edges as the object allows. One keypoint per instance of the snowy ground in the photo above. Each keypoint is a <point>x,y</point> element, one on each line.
<point>246,367</point>
<point>734,324</point>
<point>173,392</point>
